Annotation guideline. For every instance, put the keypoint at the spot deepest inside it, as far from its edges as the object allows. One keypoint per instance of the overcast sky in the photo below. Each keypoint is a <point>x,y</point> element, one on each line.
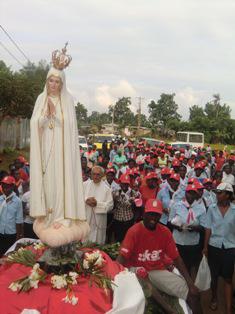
<point>130,47</point>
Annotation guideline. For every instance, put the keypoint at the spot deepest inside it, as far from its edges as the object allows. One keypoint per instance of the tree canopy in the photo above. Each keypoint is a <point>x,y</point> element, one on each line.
<point>20,89</point>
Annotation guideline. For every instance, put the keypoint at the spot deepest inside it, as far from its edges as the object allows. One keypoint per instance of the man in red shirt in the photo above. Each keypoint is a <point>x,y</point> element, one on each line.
<point>148,246</point>
<point>150,189</point>
<point>220,160</point>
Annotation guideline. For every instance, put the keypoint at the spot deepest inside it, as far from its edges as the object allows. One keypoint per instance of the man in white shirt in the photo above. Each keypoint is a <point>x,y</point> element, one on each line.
<point>228,177</point>
<point>99,200</point>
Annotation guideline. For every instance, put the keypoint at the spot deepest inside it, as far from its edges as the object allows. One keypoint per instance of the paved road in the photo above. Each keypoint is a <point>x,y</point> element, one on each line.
<point>206,296</point>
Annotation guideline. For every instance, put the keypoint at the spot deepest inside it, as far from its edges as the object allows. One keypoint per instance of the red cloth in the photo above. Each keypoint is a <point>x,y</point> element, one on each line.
<point>148,193</point>
<point>91,300</point>
<point>142,247</point>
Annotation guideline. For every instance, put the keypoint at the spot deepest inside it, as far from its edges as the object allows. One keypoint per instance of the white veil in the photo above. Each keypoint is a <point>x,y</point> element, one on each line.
<point>73,185</point>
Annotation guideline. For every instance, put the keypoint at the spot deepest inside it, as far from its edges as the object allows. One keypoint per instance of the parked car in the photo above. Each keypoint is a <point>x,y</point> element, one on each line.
<point>83,142</point>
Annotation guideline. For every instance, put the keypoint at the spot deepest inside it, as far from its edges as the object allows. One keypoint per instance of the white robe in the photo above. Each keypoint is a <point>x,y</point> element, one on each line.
<point>97,216</point>
<point>55,171</point>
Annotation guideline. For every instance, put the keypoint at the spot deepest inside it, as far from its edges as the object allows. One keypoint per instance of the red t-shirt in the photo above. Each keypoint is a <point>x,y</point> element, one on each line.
<point>147,193</point>
<point>219,163</point>
<point>149,249</point>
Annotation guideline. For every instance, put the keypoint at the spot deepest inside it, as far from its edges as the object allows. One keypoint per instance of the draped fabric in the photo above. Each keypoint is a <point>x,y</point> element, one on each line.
<point>55,170</point>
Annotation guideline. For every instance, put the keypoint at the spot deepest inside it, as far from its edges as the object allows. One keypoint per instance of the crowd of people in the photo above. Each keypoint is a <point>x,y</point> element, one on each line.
<point>166,207</point>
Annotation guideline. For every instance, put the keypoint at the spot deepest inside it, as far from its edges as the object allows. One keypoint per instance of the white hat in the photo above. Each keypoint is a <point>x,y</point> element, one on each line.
<point>225,187</point>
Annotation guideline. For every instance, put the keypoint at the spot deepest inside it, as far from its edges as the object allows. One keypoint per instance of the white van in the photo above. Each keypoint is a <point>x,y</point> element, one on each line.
<point>194,139</point>
<point>83,142</point>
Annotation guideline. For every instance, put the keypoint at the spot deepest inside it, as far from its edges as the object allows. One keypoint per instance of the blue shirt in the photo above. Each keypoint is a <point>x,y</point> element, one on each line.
<point>11,214</point>
<point>181,209</point>
<point>164,196</point>
<point>222,228</point>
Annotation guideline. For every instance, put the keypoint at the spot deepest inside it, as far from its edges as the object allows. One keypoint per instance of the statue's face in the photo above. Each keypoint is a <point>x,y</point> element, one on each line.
<point>54,85</point>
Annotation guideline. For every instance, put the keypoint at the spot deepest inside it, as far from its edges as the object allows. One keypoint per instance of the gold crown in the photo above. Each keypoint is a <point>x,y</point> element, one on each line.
<point>60,60</point>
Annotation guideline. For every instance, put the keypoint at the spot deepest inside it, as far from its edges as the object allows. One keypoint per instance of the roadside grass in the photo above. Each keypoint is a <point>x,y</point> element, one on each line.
<point>229,148</point>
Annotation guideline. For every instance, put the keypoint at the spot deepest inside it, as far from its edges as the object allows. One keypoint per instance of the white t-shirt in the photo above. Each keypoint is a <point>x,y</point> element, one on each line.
<point>228,178</point>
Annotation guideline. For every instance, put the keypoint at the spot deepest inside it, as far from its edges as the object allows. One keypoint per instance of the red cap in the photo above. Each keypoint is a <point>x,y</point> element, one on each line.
<point>191,187</point>
<point>125,179</point>
<point>21,159</point>
<point>182,150</point>
<point>110,170</point>
<point>199,165</point>
<point>175,163</point>
<point>153,206</point>
<point>199,185</point>
<point>147,158</point>
<point>136,171</point>
<point>9,180</point>
<point>175,176</point>
<point>192,180</point>
<point>166,170</point>
<point>207,180</point>
<point>231,157</point>
<point>151,175</point>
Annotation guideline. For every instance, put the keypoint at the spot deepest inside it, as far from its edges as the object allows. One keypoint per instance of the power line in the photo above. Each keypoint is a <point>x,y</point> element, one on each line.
<point>11,54</point>
<point>12,40</point>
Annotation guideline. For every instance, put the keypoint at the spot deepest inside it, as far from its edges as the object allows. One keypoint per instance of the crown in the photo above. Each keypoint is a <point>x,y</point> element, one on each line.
<point>60,60</point>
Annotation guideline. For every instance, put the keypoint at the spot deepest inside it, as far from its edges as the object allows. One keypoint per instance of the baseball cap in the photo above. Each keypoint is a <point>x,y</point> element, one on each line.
<point>153,206</point>
<point>151,175</point>
<point>175,176</point>
<point>125,179</point>
<point>8,180</point>
<point>199,165</point>
<point>191,187</point>
<point>166,170</point>
<point>207,180</point>
<point>175,163</point>
<point>224,187</point>
<point>110,170</point>
<point>21,159</point>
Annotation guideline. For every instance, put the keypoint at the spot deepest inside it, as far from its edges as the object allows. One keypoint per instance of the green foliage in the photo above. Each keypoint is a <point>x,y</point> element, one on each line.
<point>19,90</point>
<point>164,111</point>
<point>121,112</point>
<point>81,113</point>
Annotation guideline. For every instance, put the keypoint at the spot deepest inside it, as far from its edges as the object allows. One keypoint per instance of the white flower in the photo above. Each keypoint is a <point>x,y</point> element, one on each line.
<point>38,245</point>
<point>15,286</point>
<point>73,276</point>
<point>34,272</point>
<point>85,264</point>
<point>72,300</point>
<point>36,267</point>
<point>34,284</point>
<point>95,256</point>
<point>58,282</point>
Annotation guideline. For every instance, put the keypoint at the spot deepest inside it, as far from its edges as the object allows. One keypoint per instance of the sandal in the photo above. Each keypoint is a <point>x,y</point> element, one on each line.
<point>213,305</point>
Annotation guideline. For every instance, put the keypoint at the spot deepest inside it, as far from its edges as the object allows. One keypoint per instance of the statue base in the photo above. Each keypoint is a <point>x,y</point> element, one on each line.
<point>60,260</point>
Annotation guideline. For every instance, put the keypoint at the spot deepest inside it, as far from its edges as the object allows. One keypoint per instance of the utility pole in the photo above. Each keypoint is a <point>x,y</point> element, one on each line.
<point>113,119</point>
<point>139,112</point>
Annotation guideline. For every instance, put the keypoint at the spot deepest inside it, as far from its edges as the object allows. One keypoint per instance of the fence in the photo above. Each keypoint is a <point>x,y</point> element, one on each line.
<point>14,133</point>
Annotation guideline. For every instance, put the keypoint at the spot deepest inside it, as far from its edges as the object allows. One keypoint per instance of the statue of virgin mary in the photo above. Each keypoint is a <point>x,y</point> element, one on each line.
<point>56,188</point>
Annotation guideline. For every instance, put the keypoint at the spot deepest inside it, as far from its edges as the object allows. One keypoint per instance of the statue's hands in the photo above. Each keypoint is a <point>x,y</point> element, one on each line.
<point>50,108</point>
<point>91,201</point>
<point>57,225</point>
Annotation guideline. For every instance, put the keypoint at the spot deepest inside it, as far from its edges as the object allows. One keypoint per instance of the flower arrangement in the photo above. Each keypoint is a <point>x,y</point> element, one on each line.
<point>89,265</point>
